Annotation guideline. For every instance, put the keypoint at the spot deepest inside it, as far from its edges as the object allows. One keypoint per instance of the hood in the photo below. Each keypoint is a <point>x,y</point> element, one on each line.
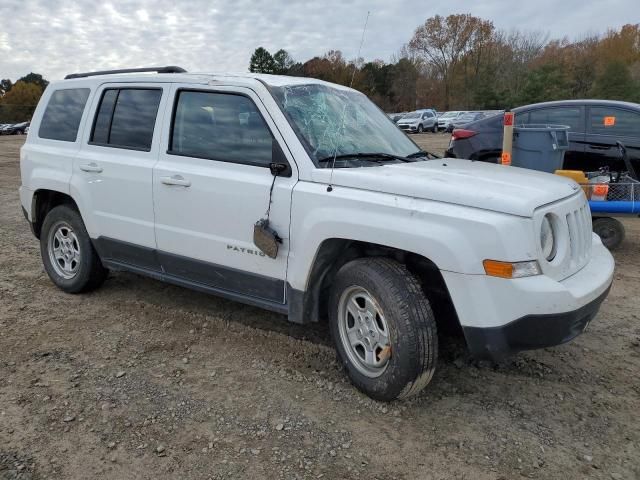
<point>408,121</point>
<point>512,190</point>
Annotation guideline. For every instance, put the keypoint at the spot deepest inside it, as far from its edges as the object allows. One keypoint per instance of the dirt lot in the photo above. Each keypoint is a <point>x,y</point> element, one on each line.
<point>145,380</point>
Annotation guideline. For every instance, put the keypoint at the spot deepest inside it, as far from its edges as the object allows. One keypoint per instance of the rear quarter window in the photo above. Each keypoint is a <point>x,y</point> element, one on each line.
<point>61,118</point>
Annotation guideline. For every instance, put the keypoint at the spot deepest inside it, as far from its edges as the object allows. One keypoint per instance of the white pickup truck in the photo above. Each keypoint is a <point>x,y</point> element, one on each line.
<point>302,197</point>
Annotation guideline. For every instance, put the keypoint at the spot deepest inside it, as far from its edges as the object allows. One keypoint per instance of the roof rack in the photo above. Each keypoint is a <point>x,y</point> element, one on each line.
<point>168,69</point>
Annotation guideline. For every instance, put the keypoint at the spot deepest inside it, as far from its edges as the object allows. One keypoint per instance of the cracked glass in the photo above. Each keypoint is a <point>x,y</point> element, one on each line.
<point>338,122</point>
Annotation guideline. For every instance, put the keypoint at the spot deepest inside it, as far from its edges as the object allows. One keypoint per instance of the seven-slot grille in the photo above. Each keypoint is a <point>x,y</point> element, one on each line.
<point>579,223</point>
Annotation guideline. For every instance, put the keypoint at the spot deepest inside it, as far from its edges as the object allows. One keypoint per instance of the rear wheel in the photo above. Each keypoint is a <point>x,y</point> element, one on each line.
<point>383,328</point>
<point>67,253</point>
<point>610,230</point>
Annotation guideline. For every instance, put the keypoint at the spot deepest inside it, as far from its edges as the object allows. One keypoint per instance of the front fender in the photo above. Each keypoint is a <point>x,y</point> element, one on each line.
<point>455,238</point>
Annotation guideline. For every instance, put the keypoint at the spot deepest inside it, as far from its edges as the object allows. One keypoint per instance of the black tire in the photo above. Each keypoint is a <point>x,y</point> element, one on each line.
<point>410,325</point>
<point>435,128</point>
<point>89,271</point>
<point>610,231</point>
<point>420,128</point>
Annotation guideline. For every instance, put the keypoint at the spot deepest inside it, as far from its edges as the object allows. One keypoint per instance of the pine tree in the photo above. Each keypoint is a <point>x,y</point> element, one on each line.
<point>262,61</point>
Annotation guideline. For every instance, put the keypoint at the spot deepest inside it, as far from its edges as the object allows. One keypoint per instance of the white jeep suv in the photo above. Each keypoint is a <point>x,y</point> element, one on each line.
<point>302,197</point>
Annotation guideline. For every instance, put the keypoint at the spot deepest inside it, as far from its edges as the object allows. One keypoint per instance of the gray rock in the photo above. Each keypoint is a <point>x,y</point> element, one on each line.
<point>120,374</point>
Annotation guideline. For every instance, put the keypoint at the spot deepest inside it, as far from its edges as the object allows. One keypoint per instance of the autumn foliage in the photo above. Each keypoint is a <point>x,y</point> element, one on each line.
<point>463,62</point>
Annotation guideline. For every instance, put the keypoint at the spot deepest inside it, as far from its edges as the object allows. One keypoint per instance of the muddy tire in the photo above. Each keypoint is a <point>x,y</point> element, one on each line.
<point>610,231</point>
<point>383,328</point>
<point>67,253</point>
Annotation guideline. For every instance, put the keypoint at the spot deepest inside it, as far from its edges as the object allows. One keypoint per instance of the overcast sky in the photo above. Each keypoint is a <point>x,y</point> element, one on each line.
<point>56,37</point>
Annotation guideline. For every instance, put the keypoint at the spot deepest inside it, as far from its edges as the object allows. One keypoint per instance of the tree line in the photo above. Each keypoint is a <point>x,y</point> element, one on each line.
<point>463,62</point>
<point>18,100</point>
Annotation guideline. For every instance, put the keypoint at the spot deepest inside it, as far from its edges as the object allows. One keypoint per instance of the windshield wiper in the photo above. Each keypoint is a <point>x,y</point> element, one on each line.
<point>422,153</point>
<point>377,156</point>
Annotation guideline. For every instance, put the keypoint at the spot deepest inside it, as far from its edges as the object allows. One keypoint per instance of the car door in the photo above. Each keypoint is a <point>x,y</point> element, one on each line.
<point>606,126</point>
<point>113,172</point>
<point>212,184</point>
<point>573,116</point>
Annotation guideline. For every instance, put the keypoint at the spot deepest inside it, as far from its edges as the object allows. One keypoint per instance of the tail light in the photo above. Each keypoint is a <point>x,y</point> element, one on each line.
<point>460,133</point>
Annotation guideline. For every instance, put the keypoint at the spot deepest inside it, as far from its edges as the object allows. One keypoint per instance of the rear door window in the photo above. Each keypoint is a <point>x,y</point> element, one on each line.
<point>570,116</point>
<point>63,114</point>
<point>614,121</point>
<point>126,118</point>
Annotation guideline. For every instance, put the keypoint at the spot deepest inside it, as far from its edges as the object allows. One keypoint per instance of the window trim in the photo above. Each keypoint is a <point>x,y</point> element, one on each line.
<point>115,103</point>
<point>590,125</point>
<point>82,116</point>
<point>176,98</point>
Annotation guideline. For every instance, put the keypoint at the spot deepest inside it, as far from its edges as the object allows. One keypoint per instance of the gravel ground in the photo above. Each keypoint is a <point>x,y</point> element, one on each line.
<point>145,380</point>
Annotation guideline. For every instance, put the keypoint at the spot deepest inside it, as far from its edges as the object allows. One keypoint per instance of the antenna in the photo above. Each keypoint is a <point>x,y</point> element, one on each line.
<point>344,110</point>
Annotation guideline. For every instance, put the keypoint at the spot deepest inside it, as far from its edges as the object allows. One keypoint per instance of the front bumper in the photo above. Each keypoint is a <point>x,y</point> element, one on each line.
<point>531,331</point>
<point>408,128</point>
<point>499,316</point>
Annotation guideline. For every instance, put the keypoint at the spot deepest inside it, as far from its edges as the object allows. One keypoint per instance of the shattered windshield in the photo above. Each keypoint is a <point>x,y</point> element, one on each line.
<point>335,122</point>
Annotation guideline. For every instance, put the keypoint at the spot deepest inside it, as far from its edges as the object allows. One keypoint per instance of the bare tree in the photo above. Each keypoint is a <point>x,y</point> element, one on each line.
<point>443,42</point>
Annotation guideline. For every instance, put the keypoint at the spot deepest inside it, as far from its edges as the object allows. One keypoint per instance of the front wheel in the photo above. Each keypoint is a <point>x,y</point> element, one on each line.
<point>67,253</point>
<point>383,328</point>
<point>420,128</point>
<point>435,128</point>
<point>610,231</point>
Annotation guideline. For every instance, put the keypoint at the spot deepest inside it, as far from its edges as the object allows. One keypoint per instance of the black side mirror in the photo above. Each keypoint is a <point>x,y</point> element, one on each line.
<point>279,165</point>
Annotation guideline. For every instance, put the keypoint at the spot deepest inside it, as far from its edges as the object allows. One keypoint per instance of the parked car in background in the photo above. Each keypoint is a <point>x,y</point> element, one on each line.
<point>419,121</point>
<point>596,126</point>
<point>396,116</point>
<point>13,128</point>
<point>446,118</point>
<point>464,119</point>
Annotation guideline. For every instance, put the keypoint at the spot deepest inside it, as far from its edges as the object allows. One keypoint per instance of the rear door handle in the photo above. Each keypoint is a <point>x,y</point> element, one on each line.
<point>91,167</point>
<point>599,147</point>
<point>175,180</point>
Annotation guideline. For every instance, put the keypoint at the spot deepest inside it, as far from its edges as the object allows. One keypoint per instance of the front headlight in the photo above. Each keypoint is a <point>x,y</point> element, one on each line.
<point>547,239</point>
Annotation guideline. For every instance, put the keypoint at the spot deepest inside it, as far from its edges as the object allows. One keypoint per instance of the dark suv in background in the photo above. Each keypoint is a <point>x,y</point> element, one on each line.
<point>596,126</point>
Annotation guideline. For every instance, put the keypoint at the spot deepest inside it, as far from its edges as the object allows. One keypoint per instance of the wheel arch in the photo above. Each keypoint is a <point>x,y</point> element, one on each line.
<point>43,201</point>
<point>311,304</point>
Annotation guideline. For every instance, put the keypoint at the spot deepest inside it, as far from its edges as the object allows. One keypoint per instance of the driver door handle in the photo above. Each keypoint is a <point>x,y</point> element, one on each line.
<point>175,180</point>
<point>91,167</point>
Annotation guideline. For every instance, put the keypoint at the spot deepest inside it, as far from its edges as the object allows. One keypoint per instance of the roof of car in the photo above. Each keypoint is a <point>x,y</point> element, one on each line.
<point>561,103</point>
<point>241,79</point>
